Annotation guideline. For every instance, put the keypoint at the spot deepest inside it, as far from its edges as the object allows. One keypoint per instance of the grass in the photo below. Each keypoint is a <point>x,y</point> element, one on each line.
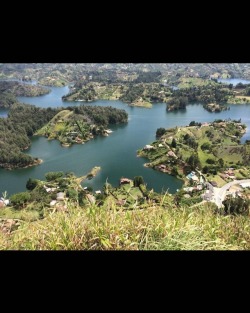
<point>221,182</point>
<point>25,215</point>
<point>229,154</point>
<point>238,99</point>
<point>242,173</point>
<point>188,82</point>
<point>54,125</point>
<point>243,97</point>
<point>156,228</point>
<point>203,156</point>
<point>143,104</point>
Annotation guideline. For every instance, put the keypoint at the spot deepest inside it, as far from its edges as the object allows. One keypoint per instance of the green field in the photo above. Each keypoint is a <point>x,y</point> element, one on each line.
<point>188,82</point>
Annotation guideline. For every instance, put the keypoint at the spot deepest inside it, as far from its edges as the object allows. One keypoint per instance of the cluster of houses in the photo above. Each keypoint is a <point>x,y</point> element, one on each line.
<point>199,185</point>
<point>195,188</point>
<point>228,174</point>
<point>73,135</point>
<point>163,168</point>
<point>195,178</point>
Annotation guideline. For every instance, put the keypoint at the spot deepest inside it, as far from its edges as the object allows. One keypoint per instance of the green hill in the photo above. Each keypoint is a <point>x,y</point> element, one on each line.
<point>210,147</point>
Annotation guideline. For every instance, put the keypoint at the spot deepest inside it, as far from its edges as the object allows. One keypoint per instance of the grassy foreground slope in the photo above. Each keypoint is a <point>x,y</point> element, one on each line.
<point>163,227</point>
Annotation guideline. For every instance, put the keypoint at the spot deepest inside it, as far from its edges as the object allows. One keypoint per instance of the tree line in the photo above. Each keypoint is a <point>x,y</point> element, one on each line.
<point>101,115</point>
<point>203,94</point>
<point>22,122</point>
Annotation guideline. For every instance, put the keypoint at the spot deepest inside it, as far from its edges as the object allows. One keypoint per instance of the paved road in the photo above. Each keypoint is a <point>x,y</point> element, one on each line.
<point>220,193</point>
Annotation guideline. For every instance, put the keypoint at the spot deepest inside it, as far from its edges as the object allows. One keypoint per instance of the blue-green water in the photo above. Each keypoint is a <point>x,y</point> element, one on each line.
<point>115,154</point>
<point>3,112</point>
<point>234,81</point>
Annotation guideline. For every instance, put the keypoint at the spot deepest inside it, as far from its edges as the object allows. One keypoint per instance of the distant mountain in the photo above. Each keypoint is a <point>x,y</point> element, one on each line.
<point>69,72</point>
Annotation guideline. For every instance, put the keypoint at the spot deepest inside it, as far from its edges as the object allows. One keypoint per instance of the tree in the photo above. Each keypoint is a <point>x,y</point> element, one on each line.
<point>53,175</point>
<point>205,169</point>
<point>173,144</point>
<point>193,161</point>
<point>236,205</point>
<point>31,183</point>
<point>138,180</point>
<point>210,161</point>
<point>19,199</point>
<point>186,137</point>
<point>174,171</point>
<point>221,162</point>
<point>205,146</point>
<point>160,132</point>
<point>72,194</point>
<point>240,86</point>
<point>192,123</point>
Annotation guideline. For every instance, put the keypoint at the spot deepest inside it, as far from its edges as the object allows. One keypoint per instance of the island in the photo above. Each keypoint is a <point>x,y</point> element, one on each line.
<point>80,124</point>
<point>137,94</point>
<point>21,89</point>
<point>73,125</point>
<point>9,90</point>
<point>210,148</point>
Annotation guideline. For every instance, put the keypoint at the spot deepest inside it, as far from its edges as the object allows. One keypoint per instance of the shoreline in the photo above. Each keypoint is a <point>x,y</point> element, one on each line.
<point>36,162</point>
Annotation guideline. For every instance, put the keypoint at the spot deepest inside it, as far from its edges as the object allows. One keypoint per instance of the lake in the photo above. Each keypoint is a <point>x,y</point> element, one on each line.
<point>116,154</point>
<point>234,81</point>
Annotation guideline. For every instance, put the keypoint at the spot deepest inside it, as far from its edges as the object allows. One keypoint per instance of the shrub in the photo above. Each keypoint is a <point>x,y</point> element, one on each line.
<point>210,161</point>
<point>19,199</point>
<point>31,183</point>
<point>53,175</point>
<point>160,132</point>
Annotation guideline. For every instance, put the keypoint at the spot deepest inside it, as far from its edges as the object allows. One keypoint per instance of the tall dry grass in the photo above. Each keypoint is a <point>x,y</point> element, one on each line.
<point>154,228</point>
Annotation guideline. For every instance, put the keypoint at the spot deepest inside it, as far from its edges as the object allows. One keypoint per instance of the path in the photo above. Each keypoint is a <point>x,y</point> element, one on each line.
<point>220,193</point>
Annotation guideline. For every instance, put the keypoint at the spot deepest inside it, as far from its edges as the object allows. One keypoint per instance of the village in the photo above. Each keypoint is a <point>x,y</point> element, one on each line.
<point>205,156</point>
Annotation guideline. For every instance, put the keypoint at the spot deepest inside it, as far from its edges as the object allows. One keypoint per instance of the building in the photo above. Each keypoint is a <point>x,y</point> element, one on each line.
<point>60,196</point>
<point>213,183</point>
<point>193,177</point>
<point>148,147</point>
<point>172,154</point>
<point>207,195</point>
<point>125,181</point>
<point>245,185</point>
<point>188,189</point>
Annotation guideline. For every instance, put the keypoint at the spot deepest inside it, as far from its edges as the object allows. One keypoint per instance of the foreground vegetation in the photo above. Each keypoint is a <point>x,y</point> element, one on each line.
<point>117,219</point>
<point>156,227</point>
